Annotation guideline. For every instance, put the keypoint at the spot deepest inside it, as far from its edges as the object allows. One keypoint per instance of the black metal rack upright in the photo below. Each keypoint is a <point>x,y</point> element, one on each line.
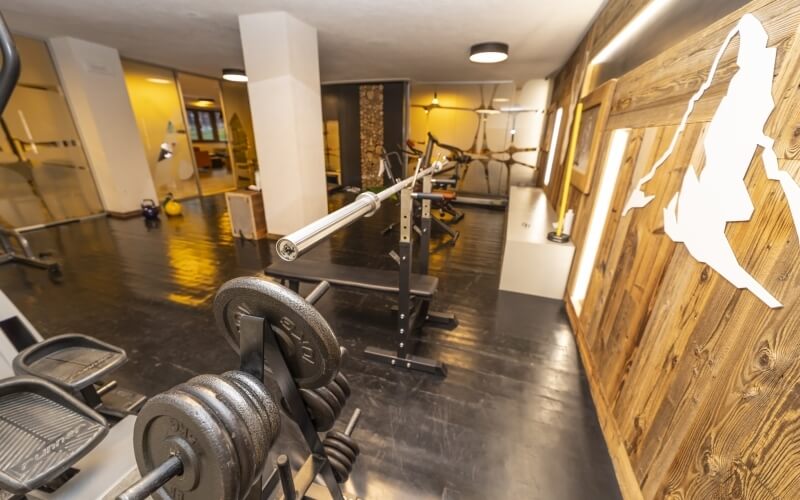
<point>413,312</point>
<point>257,346</point>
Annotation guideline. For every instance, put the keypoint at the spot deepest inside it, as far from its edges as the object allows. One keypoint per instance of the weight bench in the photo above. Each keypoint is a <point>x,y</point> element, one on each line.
<point>414,309</point>
<point>378,280</point>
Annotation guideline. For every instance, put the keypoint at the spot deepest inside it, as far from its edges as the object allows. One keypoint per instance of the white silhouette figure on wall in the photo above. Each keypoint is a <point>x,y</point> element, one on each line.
<point>698,214</point>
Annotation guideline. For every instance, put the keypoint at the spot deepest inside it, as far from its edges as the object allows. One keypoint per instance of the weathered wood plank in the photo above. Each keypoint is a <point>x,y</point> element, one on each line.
<point>710,398</point>
<point>656,92</point>
<point>642,150</point>
<point>628,484</point>
<point>696,380</point>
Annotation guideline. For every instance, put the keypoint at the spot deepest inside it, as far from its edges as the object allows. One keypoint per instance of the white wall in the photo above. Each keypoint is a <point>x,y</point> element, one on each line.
<point>282,65</point>
<point>93,83</point>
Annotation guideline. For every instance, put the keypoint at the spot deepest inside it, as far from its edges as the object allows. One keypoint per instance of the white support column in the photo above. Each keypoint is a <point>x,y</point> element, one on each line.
<point>282,65</point>
<point>94,86</point>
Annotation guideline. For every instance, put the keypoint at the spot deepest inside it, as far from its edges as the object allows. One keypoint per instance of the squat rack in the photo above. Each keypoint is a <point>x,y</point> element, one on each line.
<point>412,312</point>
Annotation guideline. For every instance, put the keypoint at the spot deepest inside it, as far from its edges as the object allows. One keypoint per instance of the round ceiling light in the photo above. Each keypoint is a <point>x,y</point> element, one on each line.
<point>234,75</point>
<point>488,52</point>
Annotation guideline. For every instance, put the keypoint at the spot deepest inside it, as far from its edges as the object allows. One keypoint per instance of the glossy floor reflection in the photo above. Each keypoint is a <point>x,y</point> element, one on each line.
<point>513,419</point>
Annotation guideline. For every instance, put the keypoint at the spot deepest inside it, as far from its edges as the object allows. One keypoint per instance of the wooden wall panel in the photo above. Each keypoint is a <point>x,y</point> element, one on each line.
<point>696,381</point>
<point>656,92</point>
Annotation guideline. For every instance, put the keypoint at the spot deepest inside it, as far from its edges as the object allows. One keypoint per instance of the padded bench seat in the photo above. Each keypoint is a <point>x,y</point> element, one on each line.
<point>379,280</point>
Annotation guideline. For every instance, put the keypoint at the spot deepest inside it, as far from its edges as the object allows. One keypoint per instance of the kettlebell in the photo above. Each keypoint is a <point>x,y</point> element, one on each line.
<point>149,209</point>
<point>171,206</point>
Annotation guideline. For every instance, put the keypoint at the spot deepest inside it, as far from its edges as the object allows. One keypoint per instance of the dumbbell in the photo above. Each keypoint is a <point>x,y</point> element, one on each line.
<point>325,403</point>
<point>205,439</point>
<point>342,450</point>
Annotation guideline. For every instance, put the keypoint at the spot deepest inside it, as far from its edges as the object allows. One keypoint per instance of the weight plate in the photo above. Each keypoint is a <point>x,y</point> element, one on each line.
<point>330,398</point>
<point>306,340</point>
<point>340,447</point>
<point>339,456</point>
<point>264,403</point>
<point>246,409</point>
<point>347,440</point>
<point>337,391</point>
<point>341,380</point>
<point>318,409</point>
<point>175,424</point>
<point>339,470</point>
<point>242,444</point>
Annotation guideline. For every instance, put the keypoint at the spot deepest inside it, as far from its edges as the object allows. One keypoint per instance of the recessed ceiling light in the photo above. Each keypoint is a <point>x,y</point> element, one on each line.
<point>501,99</point>
<point>203,102</point>
<point>234,75</point>
<point>488,52</point>
<point>162,81</point>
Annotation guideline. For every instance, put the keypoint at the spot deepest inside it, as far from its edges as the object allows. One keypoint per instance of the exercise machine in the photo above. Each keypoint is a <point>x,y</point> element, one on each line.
<point>60,380</point>
<point>20,252</point>
<point>415,291</point>
<point>459,163</point>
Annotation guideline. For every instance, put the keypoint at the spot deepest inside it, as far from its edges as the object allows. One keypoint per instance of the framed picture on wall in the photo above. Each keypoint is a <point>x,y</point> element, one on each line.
<point>596,108</point>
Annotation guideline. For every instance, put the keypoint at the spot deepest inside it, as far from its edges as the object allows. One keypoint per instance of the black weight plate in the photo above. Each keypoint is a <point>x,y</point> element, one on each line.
<point>254,429</point>
<point>247,410</point>
<point>347,440</point>
<point>330,398</point>
<point>318,409</point>
<point>210,470</point>
<point>307,341</point>
<point>339,456</point>
<point>337,391</point>
<point>242,442</point>
<point>339,470</point>
<point>266,406</point>
<point>341,448</point>
<point>343,383</point>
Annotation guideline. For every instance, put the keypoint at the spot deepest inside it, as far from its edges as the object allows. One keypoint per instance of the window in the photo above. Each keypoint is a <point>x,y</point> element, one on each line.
<point>191,117</point>
<point>206,125</point>
<point>222,136</point>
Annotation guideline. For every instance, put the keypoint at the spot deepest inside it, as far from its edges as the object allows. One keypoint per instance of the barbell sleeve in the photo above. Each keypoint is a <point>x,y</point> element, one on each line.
<point>318,292</point>
<point>153,480</point>
<point>428,196</point>
<point>351,425</point>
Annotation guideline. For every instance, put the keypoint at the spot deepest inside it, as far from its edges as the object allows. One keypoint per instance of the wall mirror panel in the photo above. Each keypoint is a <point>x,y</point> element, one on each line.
<point>44,174</point>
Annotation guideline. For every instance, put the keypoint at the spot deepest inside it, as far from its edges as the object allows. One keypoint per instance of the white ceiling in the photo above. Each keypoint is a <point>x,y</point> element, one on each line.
<point>424,40</point>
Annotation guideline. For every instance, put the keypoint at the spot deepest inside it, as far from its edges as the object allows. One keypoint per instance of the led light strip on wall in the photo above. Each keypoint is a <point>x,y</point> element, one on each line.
<point>548,170</point>
<point>597,221</point>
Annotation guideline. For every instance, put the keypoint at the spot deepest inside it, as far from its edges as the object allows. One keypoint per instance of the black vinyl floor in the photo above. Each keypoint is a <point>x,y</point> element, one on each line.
<point>513,419</point>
